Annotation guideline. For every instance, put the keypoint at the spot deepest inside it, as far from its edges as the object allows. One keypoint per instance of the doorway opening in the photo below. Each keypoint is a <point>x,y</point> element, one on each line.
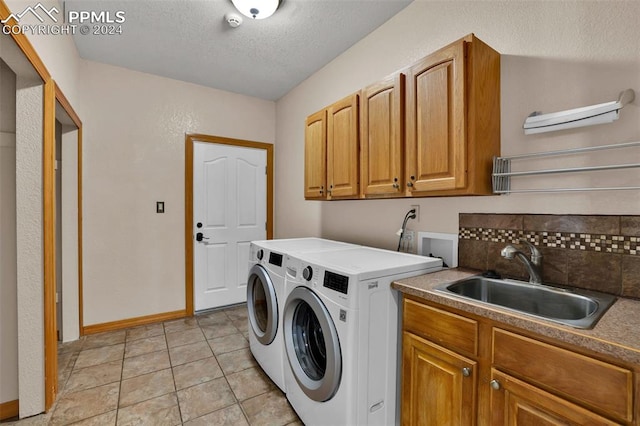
<point>68,227</point>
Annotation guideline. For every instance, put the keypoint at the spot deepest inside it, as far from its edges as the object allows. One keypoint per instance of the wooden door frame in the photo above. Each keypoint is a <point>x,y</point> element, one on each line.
<point>52,93</point>
<point>190,138</point>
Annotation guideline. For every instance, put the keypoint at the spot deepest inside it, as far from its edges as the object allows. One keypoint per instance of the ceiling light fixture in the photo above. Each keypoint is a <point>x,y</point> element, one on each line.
<point>256,9</point>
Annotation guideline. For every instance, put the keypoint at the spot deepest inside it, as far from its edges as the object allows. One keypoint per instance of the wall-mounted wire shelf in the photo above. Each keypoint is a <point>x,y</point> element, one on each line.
<point>502,174</point>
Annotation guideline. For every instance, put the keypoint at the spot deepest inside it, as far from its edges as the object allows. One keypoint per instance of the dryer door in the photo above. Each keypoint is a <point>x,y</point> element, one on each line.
<point>312,345</point>
<point>262,305</point>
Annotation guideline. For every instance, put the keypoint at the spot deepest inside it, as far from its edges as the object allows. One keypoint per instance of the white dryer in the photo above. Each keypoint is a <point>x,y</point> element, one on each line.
<point>341,334</point>
<point>266,296</point>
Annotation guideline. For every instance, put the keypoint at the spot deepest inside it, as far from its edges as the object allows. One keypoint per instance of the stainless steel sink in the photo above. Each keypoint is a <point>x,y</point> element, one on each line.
<point>577,308</point>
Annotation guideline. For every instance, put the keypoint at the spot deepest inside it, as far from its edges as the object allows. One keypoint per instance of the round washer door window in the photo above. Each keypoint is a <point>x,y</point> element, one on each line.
<point>262,305</point>
<point>312,345</point>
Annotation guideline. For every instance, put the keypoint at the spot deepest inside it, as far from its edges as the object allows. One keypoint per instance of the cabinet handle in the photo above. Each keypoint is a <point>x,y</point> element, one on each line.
<point>495,385</point>
<point>396,186</point>
<point>466,371</point>
<point>409,184</point>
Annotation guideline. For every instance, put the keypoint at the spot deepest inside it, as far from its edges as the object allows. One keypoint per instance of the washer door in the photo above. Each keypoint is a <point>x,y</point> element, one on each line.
<point>262,305</point>
<point>312,345</point>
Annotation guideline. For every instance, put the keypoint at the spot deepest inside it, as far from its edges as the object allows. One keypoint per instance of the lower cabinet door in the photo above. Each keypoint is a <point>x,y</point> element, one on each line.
<point>514,402</point>
<point>438,387</point>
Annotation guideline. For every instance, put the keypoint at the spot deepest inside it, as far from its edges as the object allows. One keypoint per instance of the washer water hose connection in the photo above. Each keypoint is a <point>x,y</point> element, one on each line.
<point>411,214</point>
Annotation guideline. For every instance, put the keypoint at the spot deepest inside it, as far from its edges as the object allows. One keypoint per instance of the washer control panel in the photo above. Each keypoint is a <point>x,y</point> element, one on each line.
<point>307,273</point>
<point>275,259</point>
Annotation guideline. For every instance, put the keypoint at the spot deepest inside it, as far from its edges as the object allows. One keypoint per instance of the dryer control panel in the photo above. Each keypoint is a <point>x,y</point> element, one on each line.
<point>275,259</point>
<point>336,282</point>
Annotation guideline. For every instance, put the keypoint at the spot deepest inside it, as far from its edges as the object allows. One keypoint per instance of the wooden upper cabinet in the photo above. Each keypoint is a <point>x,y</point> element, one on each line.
<point>435,130</point>
<point>430,130</point>
<point>315,156</point>
<point>343,148</point>
<point>453,120</point>
<point>382,138</point>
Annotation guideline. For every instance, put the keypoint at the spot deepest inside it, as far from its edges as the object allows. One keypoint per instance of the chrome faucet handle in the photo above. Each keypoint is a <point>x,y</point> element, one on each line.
<point>508,252</point>
<point>536,256</point>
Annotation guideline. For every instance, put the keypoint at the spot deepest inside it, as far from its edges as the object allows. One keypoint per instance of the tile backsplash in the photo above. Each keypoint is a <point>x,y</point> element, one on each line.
<point>593,252</point>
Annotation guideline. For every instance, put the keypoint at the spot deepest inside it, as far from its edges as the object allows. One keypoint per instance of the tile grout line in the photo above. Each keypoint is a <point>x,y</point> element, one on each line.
<point>233,320</point>
<point>173,376</point>
<point>242,409</point>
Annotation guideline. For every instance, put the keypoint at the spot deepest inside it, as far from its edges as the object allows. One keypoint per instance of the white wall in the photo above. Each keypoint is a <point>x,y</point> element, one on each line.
<point>555,55</point>
<point>70,309</point>
<point>134,143</point>
<point>8,263</point>
<point>27,119</point>
<point>29,110</point>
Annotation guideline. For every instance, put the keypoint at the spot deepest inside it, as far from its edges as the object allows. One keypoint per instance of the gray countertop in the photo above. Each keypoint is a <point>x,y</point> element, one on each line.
<point>616,334</point>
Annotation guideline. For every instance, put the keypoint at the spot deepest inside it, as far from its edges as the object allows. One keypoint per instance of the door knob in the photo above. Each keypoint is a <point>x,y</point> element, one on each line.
<point>200,236</point>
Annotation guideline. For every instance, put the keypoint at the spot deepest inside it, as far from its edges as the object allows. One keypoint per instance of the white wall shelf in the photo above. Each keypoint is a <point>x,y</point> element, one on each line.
<point>590,115</point>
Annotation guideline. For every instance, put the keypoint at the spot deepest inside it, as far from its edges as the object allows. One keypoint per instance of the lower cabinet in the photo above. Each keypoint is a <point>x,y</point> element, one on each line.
<point>462,369</point>
<point>439,385</point>
<point>514,402</point>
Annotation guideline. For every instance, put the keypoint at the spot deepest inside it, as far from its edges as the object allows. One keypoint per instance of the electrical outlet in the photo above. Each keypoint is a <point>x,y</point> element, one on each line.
<point>416,207</point>
<point>409,235</point>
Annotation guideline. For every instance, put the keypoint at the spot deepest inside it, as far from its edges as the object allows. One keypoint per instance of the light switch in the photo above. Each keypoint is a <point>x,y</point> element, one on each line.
<point>159,206</point>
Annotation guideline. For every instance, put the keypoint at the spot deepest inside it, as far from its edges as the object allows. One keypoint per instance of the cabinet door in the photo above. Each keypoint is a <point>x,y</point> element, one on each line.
<point>436,122</point>
<point>342,148</point>
<point>562,372</point>
<point>438,387</point>
<point>382,137</point>
<point>514,402</point>
<point>315,156</point>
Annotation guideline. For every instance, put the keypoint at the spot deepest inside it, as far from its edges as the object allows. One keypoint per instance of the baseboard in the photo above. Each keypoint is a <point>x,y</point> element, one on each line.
<point>132,322</point>
<point>9,409</point>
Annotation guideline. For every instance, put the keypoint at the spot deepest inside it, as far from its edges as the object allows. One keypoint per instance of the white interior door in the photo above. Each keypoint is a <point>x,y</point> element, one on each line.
<point>229,211</point>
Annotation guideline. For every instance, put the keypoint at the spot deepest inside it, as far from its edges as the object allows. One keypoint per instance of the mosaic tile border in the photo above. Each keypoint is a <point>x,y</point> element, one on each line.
<point>618,244</point>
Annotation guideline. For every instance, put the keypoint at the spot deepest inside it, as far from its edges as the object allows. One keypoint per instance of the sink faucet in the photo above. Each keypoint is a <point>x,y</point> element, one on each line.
<point>533,265</point>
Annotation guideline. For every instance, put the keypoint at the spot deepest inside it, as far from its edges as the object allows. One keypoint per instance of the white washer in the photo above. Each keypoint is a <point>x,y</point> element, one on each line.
<point>266,295</point>
<point>341,334</point>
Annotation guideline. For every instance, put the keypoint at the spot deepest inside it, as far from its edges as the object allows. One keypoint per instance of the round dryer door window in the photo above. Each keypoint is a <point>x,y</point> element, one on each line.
<point>312,345</point>
<point>262,305</point>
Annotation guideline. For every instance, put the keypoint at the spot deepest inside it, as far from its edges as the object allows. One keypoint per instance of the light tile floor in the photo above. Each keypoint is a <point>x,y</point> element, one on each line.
<point>192,371</point>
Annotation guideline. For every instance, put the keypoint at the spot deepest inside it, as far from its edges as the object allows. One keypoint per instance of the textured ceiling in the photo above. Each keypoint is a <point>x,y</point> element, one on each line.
<point>190,40</point>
